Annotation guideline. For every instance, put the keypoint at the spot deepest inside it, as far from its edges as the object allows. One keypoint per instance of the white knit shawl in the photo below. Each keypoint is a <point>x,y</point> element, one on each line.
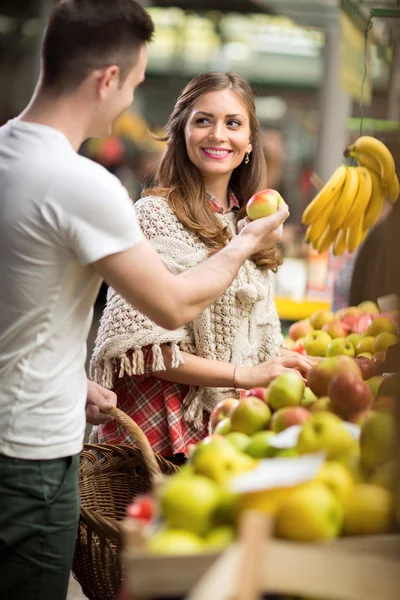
<point>242,327</point>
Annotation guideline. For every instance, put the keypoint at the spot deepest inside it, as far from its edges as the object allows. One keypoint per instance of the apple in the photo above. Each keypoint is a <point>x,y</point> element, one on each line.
<point>368,510</point>
<point>347,311</point>
<point>316,343</point>
<point>374,383</point>
<point>337,478</point>
<point>220,537</point>
<point>335,329</point>
<point>322,404</point>
<point>223,427</point>
<point>368,307</point>
<point>320,318</point>
<point>221,411</point>
<point>220,461</point>
<point>300,329</point>
<point>308,397</point>
<point>286,390</point>
<point>365,345</point>
<point>339,346</point>
<point>259,446</point>
<point>324,432</point>
<point>258,392</point>
<point>249,415</point>
<point>285,453</point>
<point>240,441</point>
<point>383,341</point>
<point>195,516</point>
<point>365,355</point>
<point>263,204</point>
<point>310,513</point>
<point>322,373</point>
<point>349,393</point>
<point>379,325</point>
<point>365,365</point>
<point>378,360</point>
<point>287,416</point>
<point>378,440</point>
<point>175,541</point>
<point>354,338</point>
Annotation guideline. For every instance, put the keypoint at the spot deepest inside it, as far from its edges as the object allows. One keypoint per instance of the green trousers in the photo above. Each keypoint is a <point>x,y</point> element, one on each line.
<point>39,513</point>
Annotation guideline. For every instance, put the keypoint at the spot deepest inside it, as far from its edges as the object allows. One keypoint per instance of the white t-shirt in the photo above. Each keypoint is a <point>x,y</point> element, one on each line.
<point>59,212</point>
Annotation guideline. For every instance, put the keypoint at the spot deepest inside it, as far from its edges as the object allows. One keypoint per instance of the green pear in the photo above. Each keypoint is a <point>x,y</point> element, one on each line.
<point>324,432</point>
<point>286,390</point>
<point>175,541</point>
<point>189,503</point>
<point>310,513</point>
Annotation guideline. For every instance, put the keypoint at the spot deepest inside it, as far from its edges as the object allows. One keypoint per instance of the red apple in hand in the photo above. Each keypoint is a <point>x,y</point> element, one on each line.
<point>257,392</point>
<point>348,393</point>
<point>263,204</point>
<point>221,411</point>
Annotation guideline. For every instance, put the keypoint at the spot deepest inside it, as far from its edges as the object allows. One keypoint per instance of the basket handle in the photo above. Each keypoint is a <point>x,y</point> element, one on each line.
<point>142,442</point>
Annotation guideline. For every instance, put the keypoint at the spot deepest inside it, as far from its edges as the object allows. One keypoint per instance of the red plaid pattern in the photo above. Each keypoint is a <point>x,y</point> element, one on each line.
<point>156,405</point>
<point>233,204</point>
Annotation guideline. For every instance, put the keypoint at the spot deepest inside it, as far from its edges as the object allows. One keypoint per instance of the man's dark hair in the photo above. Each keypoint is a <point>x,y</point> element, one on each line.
<point>83,35</point>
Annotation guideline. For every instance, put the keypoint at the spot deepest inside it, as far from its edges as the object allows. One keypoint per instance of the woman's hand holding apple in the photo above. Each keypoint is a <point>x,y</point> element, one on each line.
<point>262,374</point>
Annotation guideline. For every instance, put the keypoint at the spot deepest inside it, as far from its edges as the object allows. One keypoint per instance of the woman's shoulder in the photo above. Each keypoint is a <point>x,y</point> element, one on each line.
<point>156,218</point>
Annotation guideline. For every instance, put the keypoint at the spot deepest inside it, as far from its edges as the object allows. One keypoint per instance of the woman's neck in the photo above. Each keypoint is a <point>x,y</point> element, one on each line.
<point>219,190</point>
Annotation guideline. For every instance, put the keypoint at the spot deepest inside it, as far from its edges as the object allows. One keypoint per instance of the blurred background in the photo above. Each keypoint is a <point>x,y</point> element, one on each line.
<point>306,60</point>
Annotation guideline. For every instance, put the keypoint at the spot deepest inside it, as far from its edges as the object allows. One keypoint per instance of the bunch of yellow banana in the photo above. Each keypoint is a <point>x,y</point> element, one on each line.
<point>350,203</point>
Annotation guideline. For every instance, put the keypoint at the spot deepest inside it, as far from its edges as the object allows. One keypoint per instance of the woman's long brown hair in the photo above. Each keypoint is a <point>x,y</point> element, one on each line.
<point>180,182</point>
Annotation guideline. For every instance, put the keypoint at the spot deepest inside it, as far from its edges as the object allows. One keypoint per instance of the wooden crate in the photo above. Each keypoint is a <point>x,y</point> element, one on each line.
<point>362,568</point>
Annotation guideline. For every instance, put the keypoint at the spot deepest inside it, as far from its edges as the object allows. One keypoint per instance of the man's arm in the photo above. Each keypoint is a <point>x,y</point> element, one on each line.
<point>171,301</point>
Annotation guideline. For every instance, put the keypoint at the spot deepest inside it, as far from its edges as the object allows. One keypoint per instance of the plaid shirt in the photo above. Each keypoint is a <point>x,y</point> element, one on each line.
<point>156,405</point>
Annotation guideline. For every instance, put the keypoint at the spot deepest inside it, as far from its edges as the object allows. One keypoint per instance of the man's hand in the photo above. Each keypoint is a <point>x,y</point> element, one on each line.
<point>98,399</point>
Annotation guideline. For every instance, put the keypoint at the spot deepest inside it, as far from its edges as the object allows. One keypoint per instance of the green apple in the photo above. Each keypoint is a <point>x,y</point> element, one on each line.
<point>175,541</point>
<point>249,415</point>
<point>374,383</point>
<point>368,510</point>
<point>316,343</point>
<point>263,204</point>
<point>378,440</point>
<point>195,515</point>
<point>320,318</point>
<point>285,453</point>
<point>286,390</point>
<point>221,463</point>
<point>383,341</point>
<point>220,537</point>
<point>365,345</point>
<point>354,338</point>
<point>310,513</point>
<point>324,432</point>
<point>223,427</point>
<point>259,446</point>
<point>339,346</point>
<point>308,397</point>
<point>381,324</point>
<point>320,376</point>
<point>239,440</point>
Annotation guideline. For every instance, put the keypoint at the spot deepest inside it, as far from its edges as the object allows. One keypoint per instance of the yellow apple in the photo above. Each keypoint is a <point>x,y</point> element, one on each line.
<point>365,345</point>
<point>320,318</point>
<point>316,342</point>
<point>368,510</point>
<point>381,324</point>
<point>309,514</point>
<point>383,341</point>
<point>285,390</point>
<point>378,440</point>
<point>337,478</point>
<point>324,432</point>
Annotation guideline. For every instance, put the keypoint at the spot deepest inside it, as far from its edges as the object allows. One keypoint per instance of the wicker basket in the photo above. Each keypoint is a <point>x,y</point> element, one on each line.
<point>110,476</point>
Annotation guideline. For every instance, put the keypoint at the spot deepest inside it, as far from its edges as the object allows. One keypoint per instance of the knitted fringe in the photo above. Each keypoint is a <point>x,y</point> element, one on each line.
<point>137,362</point>
<point>107,379</point>
<point>177,358</point>
<point>158,360</point>
<point>193,410</point>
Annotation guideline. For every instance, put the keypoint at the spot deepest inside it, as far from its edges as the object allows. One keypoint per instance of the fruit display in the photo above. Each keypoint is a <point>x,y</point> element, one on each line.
<point>351,201</point>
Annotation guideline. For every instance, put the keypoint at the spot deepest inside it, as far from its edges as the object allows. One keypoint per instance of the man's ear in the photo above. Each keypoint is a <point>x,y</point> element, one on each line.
<point>107,80</point>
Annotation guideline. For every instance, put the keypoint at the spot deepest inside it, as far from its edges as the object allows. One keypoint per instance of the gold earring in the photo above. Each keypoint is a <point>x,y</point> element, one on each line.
<point>247,158</point>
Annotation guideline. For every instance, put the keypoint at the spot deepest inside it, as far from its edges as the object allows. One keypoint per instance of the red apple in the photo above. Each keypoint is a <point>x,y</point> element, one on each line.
<point>366,366</point>
<point>335,329</point>
<point>288,416</point>
<point>299,329</point>
<point>349,393</point>
<point>257,392</point>
<point>263,204</point>
<point>320,376</point>
<point>221,411</point>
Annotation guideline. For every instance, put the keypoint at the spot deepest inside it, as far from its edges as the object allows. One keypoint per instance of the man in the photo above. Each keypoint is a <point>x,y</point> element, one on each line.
<point>67,224</point>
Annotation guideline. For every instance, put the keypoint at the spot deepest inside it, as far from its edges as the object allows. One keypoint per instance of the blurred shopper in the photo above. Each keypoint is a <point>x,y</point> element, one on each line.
<point>169,382</point>
<point>66,224</point>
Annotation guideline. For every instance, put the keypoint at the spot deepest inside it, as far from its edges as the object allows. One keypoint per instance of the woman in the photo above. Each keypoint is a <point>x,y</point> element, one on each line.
<point>169,381</point>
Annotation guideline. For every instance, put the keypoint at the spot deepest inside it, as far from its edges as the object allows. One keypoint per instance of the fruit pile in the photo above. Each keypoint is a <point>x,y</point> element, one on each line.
<point>352,493</point>
<point>350,202</point>
<point>360,331</point>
